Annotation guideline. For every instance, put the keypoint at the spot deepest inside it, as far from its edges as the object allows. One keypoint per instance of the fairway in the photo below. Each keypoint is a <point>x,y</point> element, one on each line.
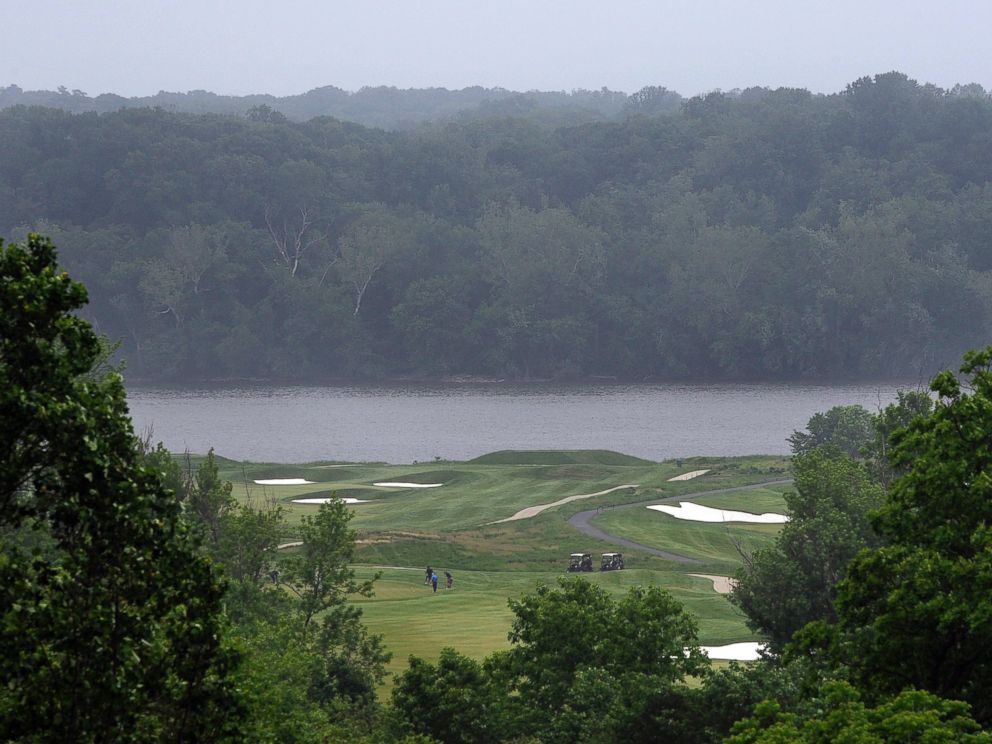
<point>717,546</point>
<point>456,527</point>
<point>474,618</point>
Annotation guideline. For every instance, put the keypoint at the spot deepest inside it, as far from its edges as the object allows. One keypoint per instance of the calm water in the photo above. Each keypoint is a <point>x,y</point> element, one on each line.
<point>403,423</point>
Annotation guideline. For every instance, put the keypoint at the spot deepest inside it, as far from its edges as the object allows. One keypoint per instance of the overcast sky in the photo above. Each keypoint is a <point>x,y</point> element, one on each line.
<point>138,47</point>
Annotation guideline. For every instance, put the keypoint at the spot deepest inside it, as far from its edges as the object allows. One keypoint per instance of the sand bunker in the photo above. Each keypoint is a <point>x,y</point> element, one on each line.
<point>532,511</point>
<point>721,584</point>
<point>409,485</point>
<point>284,482</point>
<point>689,476</point>
<point>699,513</point>
<point>329,500</point>
<point>284,546</point>
<point>750,651</point>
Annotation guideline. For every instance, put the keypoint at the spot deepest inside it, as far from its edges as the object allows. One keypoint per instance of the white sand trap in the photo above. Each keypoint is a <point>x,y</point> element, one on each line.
<point>750,651</point>
<point>329,500</point>
<point>721,584</point>
<point>284,482</point>
<point>284,546</point>
<point>689,476</point>
<point>409,485</point>
<point>532,511</point>
<point>699,513</point>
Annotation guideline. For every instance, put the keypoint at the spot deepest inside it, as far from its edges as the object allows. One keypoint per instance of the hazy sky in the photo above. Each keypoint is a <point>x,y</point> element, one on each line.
<point>138,47</point>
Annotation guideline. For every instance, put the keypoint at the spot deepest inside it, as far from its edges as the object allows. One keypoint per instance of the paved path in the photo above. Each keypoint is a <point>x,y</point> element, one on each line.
<point>581,520</point>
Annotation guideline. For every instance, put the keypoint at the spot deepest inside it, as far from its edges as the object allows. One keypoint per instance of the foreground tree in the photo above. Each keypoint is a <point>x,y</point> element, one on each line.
<point>349,662</point>
<point>913,716</point>
<point>916,612</point>
<point>783,587</point>
<point>582,667</point>
<point>110,622</point>
<point>453,700</point>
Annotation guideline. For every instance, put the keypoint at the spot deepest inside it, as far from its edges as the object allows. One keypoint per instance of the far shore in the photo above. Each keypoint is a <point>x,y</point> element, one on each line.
<point>139,382</point>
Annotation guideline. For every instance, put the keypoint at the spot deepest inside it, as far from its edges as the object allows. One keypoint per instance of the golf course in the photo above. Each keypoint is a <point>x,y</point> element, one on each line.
<point>505,522</point>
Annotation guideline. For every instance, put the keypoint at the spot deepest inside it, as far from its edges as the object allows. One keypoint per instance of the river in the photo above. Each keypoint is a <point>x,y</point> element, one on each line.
<point>404,423</point>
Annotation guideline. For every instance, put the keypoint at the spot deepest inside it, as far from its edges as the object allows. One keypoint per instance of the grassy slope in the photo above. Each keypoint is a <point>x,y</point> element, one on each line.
<point>448,528</point>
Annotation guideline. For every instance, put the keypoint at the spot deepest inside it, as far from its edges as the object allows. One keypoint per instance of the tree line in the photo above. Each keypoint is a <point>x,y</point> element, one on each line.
<point>381,106</point>
<point>768,234</point>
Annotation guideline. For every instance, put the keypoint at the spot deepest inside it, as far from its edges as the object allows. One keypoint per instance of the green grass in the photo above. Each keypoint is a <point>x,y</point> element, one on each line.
<point>558,457</point>
<point>476,494</point>
<point>716,545</point>
<point>452,528</point>
<point>474,616</point>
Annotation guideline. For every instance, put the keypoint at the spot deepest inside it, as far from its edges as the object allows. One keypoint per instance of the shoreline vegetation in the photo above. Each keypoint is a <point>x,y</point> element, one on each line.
<point>762,234</point>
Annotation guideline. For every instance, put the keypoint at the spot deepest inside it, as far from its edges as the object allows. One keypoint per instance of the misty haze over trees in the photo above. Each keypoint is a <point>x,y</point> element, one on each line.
<point>386,107</point>
<point>764,234</point>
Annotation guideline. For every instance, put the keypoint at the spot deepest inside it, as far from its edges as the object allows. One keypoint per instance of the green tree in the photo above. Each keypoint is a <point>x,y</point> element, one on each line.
<point>848,429</point>
<point>582,667</point>
<point>452,700</point>
<point>320,574</point>
<point>840,715</point>
<point>783,587</point>
<point>369,243</point>
<point>916,612</point>
<point>892,418</point>
<point>210,501</point>
<point>112,630</point>
<point>572,637</point>
<point>351,660</point>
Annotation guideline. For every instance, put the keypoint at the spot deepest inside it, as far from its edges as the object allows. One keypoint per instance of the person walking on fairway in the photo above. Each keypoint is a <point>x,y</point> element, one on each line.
<point>427,576</point>
<point>434,582</point>
<point>448,578</point>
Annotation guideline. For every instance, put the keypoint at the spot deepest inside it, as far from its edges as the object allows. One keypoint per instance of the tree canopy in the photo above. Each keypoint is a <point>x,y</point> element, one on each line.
<point>915,611</point>
<point>582,667</point>
<point>111,621</point>
<point>757,234</point>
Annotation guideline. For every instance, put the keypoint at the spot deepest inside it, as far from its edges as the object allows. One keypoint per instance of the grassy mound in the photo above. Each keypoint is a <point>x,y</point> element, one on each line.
<point>448,477</point>
<point>558,457</point>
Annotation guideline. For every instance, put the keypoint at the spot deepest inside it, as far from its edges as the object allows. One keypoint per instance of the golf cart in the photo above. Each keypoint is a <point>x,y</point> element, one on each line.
<point>612,562</point>
<point>579,562</point>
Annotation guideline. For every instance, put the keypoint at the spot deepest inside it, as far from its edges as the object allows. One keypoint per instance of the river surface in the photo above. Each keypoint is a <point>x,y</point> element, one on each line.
<point>404,423</point>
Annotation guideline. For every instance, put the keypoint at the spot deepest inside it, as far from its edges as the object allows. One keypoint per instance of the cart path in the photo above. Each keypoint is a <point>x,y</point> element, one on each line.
<point>581,520</point>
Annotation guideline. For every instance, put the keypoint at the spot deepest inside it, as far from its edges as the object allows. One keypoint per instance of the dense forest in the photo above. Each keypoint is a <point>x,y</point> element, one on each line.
<point>764,234</point>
